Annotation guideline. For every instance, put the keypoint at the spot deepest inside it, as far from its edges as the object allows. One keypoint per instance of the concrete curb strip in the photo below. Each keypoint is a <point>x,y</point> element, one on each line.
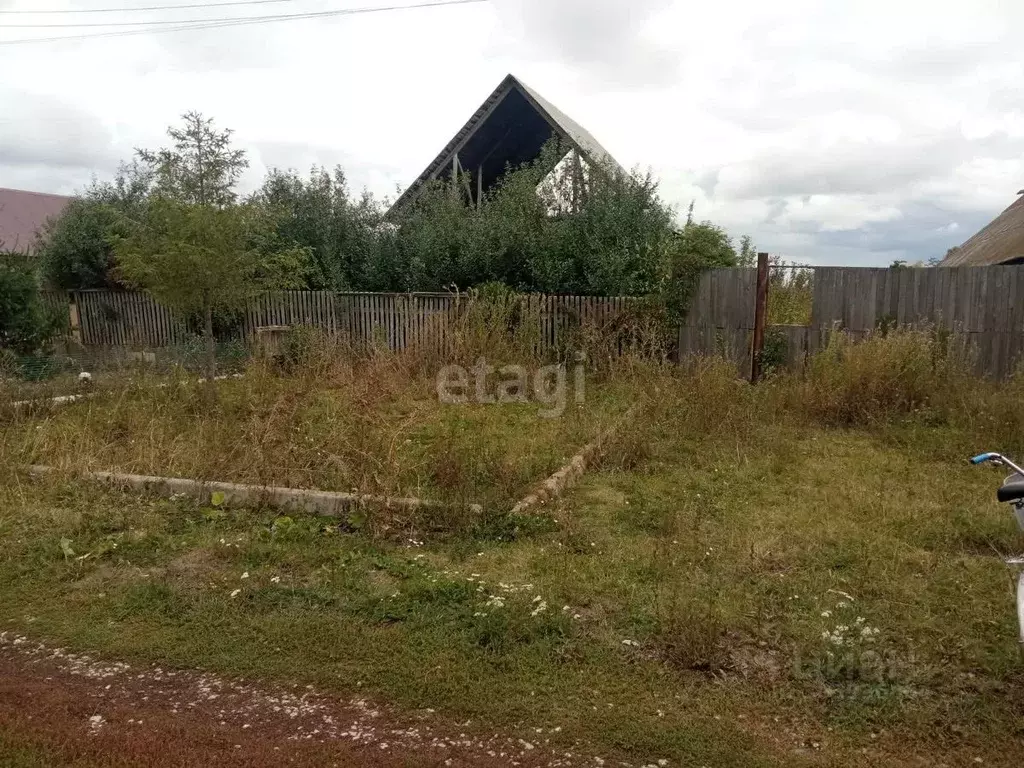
<point>325,503</point>
<point>65,399</point>
<point>61,400</point>
<point>565,477</point>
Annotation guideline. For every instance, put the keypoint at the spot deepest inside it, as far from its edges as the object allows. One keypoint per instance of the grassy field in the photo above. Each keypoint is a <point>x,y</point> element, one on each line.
<point>353,432</point>
<point>802,573</point>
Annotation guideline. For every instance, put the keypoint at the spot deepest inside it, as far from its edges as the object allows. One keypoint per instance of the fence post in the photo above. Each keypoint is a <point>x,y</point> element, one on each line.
<point>73,321</point>
<point>760,317</point>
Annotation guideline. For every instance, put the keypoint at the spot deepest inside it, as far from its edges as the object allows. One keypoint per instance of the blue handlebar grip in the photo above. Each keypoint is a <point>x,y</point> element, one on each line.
<point>982,458</point>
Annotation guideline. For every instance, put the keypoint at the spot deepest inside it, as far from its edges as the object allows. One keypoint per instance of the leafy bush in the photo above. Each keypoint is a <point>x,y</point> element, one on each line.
<point>26,325</point>
<point>76,249</point>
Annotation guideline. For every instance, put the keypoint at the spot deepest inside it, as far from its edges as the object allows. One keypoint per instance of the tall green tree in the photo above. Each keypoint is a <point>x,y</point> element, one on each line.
<point>201,167</point>
<point>747,257</point>
<point>193,247</point>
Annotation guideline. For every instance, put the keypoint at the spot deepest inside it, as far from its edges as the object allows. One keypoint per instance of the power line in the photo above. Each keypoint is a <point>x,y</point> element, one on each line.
<point>234,22</point>
<point>248,19</point>
<point>186,22</point>
<point>146,8</point>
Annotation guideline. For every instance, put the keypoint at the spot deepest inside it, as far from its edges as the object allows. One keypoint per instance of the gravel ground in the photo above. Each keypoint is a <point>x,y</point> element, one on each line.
<point>93,712</point>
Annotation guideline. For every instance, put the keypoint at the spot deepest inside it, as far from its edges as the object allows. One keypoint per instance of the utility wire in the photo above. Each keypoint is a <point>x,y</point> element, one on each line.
<point>215,20</point>
<point>146,8</point>
<point>235,22</point>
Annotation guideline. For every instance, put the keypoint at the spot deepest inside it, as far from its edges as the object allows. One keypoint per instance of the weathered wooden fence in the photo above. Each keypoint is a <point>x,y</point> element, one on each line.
<point>393,320</point>
<point>985,304</point>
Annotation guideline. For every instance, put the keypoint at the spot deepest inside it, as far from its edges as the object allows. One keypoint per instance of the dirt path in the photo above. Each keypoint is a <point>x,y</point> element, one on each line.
<point>83,711</point>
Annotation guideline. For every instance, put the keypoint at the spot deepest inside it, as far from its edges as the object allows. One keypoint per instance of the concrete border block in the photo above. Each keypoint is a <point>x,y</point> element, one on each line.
<point>567,475</point>
<point>324,503</point>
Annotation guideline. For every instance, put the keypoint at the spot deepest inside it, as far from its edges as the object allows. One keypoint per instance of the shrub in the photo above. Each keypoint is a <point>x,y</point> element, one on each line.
<point>26,325</point>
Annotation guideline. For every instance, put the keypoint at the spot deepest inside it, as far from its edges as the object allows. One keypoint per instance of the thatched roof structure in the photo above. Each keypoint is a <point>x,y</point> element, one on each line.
<point>1001,242</point>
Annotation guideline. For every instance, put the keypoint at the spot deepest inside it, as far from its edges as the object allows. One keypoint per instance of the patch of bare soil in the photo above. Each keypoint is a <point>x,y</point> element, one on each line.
<point>92,712</point>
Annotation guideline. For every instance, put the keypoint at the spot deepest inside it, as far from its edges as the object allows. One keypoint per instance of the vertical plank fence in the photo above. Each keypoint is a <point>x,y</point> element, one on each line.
<point>386,321</point>
<point>985,305</point>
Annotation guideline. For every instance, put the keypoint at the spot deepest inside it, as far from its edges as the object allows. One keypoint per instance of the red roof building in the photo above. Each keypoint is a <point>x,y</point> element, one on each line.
<point>22,215</point>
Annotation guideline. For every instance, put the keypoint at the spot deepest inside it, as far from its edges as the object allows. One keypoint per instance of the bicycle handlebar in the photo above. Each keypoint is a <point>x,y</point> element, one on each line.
<point>997,458</point>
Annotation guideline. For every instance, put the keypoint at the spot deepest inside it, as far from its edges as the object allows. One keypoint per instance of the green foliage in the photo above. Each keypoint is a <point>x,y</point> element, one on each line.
<point>76,251</point>
<point>616,243</point>
<point>201,168</point>
<point>776,348</point>
<point>191,246</point>
<point>695,248</point>
<point>319,214</point>
<point>595,231</point>
<point>26,325</point>
<point>193,257</point>
<point>555,225</point>
<point>748,252</point>
<point>76,248</point>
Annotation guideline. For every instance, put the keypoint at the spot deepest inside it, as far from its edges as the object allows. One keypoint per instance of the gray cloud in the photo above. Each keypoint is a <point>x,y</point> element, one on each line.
<point>42,130</point>
<point>856,167</point>
<point>922,233</point>
<point>57,180</point>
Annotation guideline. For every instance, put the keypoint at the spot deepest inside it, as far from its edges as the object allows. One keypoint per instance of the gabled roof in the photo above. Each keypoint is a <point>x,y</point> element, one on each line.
<point>510,128</point>
<point>1001,242</point>
<point>22,215</point>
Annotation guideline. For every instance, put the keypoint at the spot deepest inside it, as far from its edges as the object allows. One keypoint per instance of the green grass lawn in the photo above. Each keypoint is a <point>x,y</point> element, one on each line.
<point>735,586</point>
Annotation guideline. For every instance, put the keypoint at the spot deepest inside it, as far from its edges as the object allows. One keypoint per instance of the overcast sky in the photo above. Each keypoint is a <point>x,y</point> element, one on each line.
<point>833,132</point>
